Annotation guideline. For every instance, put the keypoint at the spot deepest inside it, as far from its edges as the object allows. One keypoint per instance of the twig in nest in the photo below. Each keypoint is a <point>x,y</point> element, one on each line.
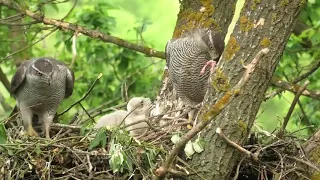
<point>84,109</point>
<point>218,107</point>
<point>235,145</point>
<point>304,162</point>
<point>89,164</point>
<point>238,169</point>
<point>66,126</point>
<point>294,102</point>
<point>87,93</point>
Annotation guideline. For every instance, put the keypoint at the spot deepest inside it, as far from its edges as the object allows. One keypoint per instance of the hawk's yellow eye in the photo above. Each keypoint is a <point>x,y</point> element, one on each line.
<point>39,73</point>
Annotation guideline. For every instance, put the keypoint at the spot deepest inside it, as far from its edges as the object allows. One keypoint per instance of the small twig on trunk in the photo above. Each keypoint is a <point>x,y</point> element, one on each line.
<point>235,145</point>
<point>293,104</point>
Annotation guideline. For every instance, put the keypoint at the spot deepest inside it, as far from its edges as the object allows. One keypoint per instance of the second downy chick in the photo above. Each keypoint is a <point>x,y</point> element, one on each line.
<point>113,119</point>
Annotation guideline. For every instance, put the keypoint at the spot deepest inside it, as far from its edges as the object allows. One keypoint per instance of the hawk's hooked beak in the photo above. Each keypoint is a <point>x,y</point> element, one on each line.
<point>50,78</point>
<point>214,55</point>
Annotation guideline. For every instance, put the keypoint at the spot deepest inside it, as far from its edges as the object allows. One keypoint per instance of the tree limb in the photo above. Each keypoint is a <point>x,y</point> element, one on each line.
<point>294,88</point>
<point>4,80</point>
<point>79,29</point>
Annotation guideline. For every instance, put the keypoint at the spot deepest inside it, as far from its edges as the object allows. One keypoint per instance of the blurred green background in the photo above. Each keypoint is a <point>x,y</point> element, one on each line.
<point>149,23</point>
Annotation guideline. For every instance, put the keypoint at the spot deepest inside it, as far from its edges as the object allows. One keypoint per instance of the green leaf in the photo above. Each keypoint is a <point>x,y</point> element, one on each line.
<point>189,150</point>
<point>117,158</point>
<point>3,134</point>
<point>99,139</point>
<point>83,130</point>
<point>197,146</point>
<point>175,138</point>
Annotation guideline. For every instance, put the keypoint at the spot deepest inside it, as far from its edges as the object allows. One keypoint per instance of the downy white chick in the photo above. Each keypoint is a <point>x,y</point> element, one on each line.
<point>138,108</point>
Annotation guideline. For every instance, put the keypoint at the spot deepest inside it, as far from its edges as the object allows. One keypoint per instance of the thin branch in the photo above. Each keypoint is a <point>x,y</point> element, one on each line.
<point>4,80</point>
<point>79,29</point>
<point>22,49</point>
<point>72,8</point>
<point>304,162</point>
<point>87,93</point>
<point>305,118</point>
<point>84,109</point>
<point>307,74</point>
<point>294,102</point>
<point>293,88</point>
<point>18,24</point>
<point>6,107</point>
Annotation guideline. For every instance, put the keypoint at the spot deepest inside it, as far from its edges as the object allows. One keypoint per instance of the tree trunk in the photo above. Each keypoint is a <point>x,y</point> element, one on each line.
<point>312,153</point>
<point>262,24</point>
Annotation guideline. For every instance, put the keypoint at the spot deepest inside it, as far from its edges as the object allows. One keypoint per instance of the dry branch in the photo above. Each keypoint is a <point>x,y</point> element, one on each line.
<point>79,29</point>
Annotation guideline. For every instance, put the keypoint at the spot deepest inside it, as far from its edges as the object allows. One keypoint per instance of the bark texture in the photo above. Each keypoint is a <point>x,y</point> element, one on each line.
<point>312,153</point>
<point>261,24</point>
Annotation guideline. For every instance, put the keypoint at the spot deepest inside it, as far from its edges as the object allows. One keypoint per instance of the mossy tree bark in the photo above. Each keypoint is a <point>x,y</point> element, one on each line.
<point>261,24</point>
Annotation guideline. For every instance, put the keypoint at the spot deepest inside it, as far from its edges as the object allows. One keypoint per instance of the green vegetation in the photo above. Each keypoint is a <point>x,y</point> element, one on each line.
<point>128,73</point>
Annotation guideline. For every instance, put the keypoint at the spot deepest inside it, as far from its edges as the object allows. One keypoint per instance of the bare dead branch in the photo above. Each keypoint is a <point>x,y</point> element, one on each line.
<point>79,29</point>
<point>290,111</point>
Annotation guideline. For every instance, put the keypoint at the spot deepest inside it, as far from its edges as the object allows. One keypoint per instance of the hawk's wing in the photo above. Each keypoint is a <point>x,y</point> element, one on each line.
<point>19,77</point>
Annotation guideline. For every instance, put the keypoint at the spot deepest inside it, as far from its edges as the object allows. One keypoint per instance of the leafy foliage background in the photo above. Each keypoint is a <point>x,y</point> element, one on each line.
<point>150,23</point>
